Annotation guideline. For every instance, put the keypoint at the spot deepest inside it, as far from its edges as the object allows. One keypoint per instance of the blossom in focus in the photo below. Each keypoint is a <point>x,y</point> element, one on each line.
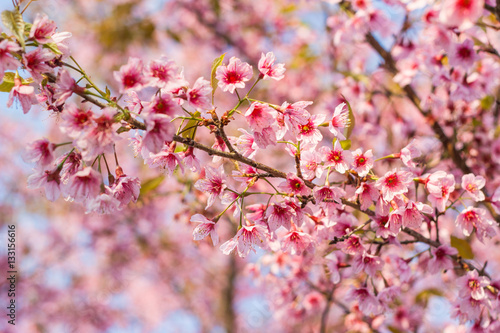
<point>362,162</point>
<point>473,185</point>
<point>295,185</point>
<point>199,96</point>
<point>440,185</point>
<point>337,157</point>
<point>340,120</point>
<point>234,75</point>
<point>475,219</point>
<point>42,29</point>
<point>245,240</point>
<point>394,183</point>
<point>205,228</point>
<point>268,69</point>
<point>131,75</point>
<point>214,183</point>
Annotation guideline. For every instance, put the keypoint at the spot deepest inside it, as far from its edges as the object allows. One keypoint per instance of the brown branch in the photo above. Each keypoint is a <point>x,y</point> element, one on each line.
<point>494,10</point>
<point>346,236</point>
<point>324,314</point>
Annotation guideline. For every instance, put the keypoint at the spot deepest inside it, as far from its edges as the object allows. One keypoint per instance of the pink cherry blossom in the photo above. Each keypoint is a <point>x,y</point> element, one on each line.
<point>245,143</point>
<point>245,240</point>
<point>24,94</point>
<point>234,75</point>
<point>295,115</point>
<point>36,62</point>
<point>72,164</point>
<point>104,203</point>
<point>7,61</point>
<point>461,13</point>
<point>338,158</point>
<point>368,303</point>
<point>165,74</point>
<point>49,180</point>
<point>279,214</point>
<point>131,76</point>
<point>75,120</point>
<point>362,162</point>
<point>408,153</point>
<point>40,152</point>
<point>367,194</point>
<point>205,228</point>
<point>473,185</point>
<point>42,29</point>
<point>463,54</point>
<point>352,245</point>
<point>472,285</point>
<point>440,185</point>
<point>495,200</point>
<point>126,189</point>
<point>295,185</point>
<point>309,132</point>
<point>66,85</point>
<point>100,136</point>
<point>83,185</point>
<point>265,138</point>
<point>259,116</point>
<point>162,103</point>
<point>367,263</point>
<point>167,159</point>
<point>394,183</point>
<point>296,242</point>
<point>268,69</point>
<point>340,120</point>
<point>468,309</point>
<point>441,259</point>
<point>159,129</point>
<point>411,213</point>
<point>190,160</point>
<point>199,96</point>
<point>310,164</point>
<point>475,219</point>
<point>214,183</point>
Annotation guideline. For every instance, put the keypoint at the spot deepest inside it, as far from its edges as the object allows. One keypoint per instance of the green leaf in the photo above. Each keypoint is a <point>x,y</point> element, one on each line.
<point>13,20</point>
<point>424,296</point>
<point>213,81</point>
<point>345,144</point>
<point>123,129</point>
<point>150,185</point>
<point>352,121</point>
<point>463,247</point>
<point>7,82</point>
<point>191,124</point>
<point>53,47</point>
<point>487,102</point>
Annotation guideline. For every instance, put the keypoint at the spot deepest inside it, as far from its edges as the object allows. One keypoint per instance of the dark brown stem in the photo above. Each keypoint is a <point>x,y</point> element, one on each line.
<point>346,236</point>
<point>326,311</point>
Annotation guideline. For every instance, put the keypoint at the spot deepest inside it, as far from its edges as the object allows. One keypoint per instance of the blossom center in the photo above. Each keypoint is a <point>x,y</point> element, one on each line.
<point>233,77</point>
<point>129,80</point>
<point>464,53</point>
<point>392,181</point>
<point>473,284</point>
